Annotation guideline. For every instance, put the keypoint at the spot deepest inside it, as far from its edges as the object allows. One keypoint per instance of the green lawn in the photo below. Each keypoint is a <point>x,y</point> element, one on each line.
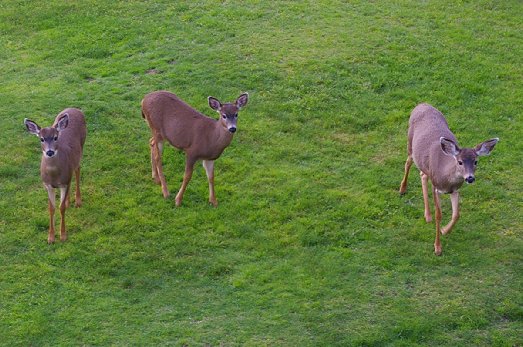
<point>311,244</point>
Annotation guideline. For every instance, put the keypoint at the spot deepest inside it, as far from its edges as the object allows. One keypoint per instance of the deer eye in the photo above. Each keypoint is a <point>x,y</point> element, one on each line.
<point>41,139</point>
<point>475,162</point>
<point>460,162</point>
<point>56,138</point>
<point>224,116</point>
<point>236,115</point>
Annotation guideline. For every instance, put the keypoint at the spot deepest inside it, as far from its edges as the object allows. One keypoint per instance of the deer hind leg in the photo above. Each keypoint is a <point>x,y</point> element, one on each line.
<point>156,164</point>
<point>209,170</point>
<point>437,242</point>
<point>78,195</point>
<point>189,165</point>
<point>454,200</point>
<point>51,203</point>
<point>425,189</point>
<point>408,164</point>
<point>64,192</point>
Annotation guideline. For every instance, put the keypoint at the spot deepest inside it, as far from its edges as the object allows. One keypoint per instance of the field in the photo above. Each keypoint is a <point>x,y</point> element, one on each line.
<point>311,244</point>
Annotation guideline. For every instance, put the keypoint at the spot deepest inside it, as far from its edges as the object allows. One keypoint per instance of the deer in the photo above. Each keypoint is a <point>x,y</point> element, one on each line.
<point>62,147</point>
<point>436,153</point>
<point>200,137</point>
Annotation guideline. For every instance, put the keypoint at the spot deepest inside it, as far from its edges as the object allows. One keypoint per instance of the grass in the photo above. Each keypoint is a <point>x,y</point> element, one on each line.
<point>310,243</point>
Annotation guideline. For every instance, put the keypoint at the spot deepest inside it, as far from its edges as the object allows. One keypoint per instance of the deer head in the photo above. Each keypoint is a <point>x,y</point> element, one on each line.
<point>467,158</point>
<point>229,111</point>
<point>48,136</point>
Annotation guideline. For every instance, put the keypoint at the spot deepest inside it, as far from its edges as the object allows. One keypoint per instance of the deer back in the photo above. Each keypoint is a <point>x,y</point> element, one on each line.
<point>426,126</point>
<point>184,127</point>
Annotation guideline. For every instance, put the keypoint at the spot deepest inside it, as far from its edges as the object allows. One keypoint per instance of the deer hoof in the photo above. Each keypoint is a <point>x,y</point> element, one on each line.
<point>445,230</point>
<point>63,237</point>
<point>428,218</point>
<point>214,203</point>
<point>437,250</point>
<point>50,240</point>
<point>78,203</point>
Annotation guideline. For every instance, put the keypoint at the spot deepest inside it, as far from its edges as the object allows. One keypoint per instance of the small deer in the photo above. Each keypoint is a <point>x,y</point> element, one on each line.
<point>435,151</point>
<point>200,137</point>
<point>62,146</point>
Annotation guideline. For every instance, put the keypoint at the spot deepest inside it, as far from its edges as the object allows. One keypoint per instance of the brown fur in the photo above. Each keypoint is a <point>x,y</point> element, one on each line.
<point>200,137</point>
<point>435,151</point>
<point>58,170</point>
<point>65,140</point>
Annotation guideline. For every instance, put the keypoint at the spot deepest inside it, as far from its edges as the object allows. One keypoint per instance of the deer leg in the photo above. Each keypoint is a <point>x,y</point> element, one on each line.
<point>154,173</point>
<point>437,206</point>
<point>67,201</point>
<point>63,196</point>
<point>454,200</point>
<point>78,196</point>
<point>189,165</point>
<point>154,169</point>
<point>51,203</point>
<point>425,189</point>
<point>156,153</point>
<point>209,170</point>
<point>403,186</point>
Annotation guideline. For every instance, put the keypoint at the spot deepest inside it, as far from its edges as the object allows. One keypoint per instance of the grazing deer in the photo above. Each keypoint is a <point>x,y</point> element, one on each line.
<point>199,136</point>
<point>435,151</point>
<point>62,145</point>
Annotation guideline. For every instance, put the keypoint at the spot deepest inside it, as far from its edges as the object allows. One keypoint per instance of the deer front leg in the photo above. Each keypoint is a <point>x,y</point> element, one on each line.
<point>425,189</point>
<point>64,192</point>
<point>403,186</point>
<point>156,161</point>
<point>209,170</point>
<point>51,204</point>
<point>78,195</point>
<point>67,201</point>
<point>154,169</point>
<point>189,165</point>
<point>454,200</point>
<point>437,206</point>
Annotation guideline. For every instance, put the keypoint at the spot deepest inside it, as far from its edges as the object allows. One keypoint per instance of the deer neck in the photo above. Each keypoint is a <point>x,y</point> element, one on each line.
<point>450,179</point>
<point>223,136</point>
<point>52,169</point>
<point>455,182</point>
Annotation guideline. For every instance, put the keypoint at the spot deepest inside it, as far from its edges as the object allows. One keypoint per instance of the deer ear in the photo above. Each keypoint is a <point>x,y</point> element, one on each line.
<point>63,122</point>
<point>486,147</point>
<point>214,103</point>
<point>449,147</point>
<point>242,100</point>
<point>32,127</point>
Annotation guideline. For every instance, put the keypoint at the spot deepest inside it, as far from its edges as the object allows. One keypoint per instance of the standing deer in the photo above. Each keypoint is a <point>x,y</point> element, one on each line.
<point>199,136</point>
<point>435,151</point>
<point>62,145</point>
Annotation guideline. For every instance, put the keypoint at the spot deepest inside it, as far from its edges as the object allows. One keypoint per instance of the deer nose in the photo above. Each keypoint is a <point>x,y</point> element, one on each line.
<point>49,153</point>
<point>232,129</point>
<point>470,179</point>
